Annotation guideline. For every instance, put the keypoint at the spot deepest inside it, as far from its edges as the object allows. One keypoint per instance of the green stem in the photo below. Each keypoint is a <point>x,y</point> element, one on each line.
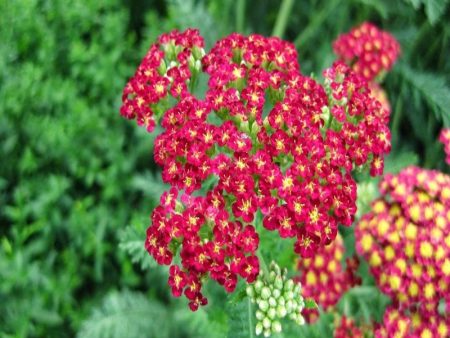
<point>240,16</point>
<point>282,18</point>
<point>263,263</point>
<point>397,116</point>
<point>317,20</point>
<point>250,316</point>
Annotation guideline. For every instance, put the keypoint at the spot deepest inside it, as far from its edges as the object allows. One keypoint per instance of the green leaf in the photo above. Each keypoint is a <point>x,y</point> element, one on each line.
<point>310,303</point>
<point>240,320</point>
<point>397,161</point>
<point>132,242</point>
<point>150,184</point>
<point>431,87</point>
<point>126,314</point>
<point>434,9</point>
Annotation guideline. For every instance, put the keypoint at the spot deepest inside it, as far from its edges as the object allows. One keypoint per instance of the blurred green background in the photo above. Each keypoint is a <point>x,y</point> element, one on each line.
<point>74,174</point>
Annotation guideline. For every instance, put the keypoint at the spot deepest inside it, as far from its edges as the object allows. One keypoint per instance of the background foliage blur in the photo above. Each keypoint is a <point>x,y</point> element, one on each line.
<point>74,174</point>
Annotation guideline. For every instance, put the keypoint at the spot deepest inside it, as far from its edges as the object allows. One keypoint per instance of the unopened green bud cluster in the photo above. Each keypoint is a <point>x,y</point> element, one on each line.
<point>276,297</point>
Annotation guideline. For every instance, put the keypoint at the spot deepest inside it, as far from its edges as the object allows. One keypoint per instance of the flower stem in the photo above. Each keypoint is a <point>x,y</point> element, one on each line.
<point>282,18</point>
<point>263,263</point>
<point>250,316</point>
<point>317,21</point>
<point>240,16</point>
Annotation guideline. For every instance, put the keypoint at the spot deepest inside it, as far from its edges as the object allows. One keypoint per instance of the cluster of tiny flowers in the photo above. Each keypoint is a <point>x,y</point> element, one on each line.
<point>369,50</point>
<point>413,323</point>
<point>166,70</point>
<point>277,297</point>
<point>406,239</point>
<point>444,137</point>
<point>324,279</point>
<point>264,139</point>
<point>359,118</point>
<point>346,327</point>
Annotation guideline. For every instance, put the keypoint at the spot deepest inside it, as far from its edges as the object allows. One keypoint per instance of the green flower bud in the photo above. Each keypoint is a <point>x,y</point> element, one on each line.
<point>258,285</point>
<point>289,285</point>
<point>289,295</point>
<point>198,52</point>
<point>267,333</point>
<point>276,326</point>
<point>198,65</point>
<point>281,311</point>
<point>265,292</point>
<point>278,283</point>
<point>272,276</point>
<point>276,293</point>
<point>263,305</point>
<point>289,306</point>
<point>250,292</point>
<point>258,328</point>
<point>272,302</point>
<point>282,300</point>
<point>259,315</point>
<point>266,323</point>
<point>271,313</point>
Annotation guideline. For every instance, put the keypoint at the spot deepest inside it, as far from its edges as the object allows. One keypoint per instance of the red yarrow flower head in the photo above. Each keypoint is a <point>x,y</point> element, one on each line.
<point>264,143</point>
<point>324,278</point>
<point>369,50</point>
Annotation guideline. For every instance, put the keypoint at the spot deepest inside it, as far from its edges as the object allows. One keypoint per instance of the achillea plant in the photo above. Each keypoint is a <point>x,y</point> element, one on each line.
<point>370,51</point>
<point>324,279</point>
<point>347,327</point>
<point>412,323</point>
<point>406,241</point>
<point>264,138</point>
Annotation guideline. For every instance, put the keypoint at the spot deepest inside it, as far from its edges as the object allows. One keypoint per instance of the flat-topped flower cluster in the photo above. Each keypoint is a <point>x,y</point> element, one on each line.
<point>324,278</point>
<point>406,241</point>
<point>369,50</point>
<point>264,139</point>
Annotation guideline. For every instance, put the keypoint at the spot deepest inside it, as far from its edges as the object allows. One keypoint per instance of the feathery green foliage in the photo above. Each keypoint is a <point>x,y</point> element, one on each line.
<point>126,314</point>
<point>74,174</point>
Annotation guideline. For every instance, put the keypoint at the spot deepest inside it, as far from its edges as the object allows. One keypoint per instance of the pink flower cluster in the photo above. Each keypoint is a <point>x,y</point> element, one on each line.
<point>444,137</point>
<point>369,50</point>
<point>413,323</point>
<point>264,139</point>
<point>324,279</point>
<point>406,240</point>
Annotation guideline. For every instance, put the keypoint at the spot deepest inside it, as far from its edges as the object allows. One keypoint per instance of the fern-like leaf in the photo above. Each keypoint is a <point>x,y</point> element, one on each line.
<point>132,242</point>
<point>240,321</point>
<point>432,88</point>
<point>126,314</point>
<point>434,9</point>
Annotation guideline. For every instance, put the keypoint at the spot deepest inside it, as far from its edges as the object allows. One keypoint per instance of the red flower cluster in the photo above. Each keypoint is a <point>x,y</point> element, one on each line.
<point>414,323</point>
<point>257,142</point>
<point>360,119</point>
<point>406,239</point>
<point>444,137</point>
<point>368,49</point>
<point>166,69</point>
<point>348,328</point>
<point>324,279</point>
